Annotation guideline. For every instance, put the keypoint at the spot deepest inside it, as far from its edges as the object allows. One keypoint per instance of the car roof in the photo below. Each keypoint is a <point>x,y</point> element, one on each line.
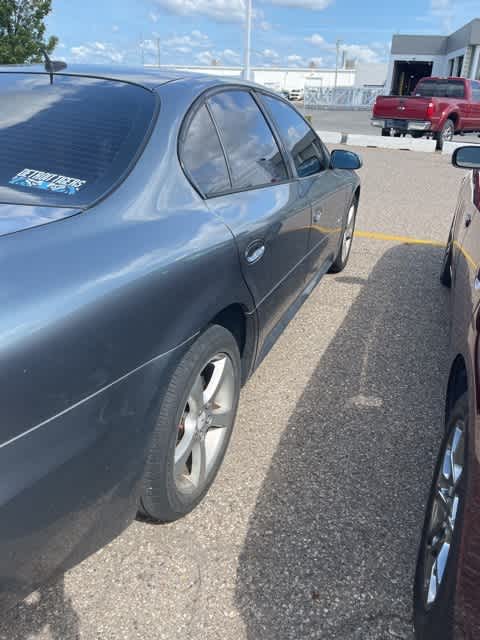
<point>149,78</point>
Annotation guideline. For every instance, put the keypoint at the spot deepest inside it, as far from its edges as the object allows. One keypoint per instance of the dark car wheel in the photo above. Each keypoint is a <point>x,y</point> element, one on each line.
<point>446,272</point>
<point>416,134</point>
<point>446,134</point>
<point>193,429</point>
<point>385,132</point>
<point>343,254</point>
<point>435,579</point>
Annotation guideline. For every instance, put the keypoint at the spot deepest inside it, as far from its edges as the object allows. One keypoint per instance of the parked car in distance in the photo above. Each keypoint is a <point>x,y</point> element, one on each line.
<point>447,582</point>
<point>294,94</point>
<point>157,232</point>
<point>438,108</point>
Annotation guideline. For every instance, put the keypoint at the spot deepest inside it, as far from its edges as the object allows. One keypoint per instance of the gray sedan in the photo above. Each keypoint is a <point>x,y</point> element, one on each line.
<point>157,232</point>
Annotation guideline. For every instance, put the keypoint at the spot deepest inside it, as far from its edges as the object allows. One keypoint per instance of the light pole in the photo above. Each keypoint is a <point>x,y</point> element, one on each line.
<point>338,43</point>
<point>248,39</point>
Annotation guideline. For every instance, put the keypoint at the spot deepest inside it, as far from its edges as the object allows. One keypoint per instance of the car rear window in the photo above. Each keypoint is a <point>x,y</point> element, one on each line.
<point>441,89</point>
<point>69,142</point>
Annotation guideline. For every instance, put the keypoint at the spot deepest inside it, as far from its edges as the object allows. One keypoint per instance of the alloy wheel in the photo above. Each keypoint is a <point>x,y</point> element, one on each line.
<point>448,133</point>
<point>205,424</point>
<point>443,516</point>
<point>348,233</point>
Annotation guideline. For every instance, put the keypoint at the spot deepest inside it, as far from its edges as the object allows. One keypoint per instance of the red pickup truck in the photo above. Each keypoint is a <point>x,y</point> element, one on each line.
<point>438,108</point>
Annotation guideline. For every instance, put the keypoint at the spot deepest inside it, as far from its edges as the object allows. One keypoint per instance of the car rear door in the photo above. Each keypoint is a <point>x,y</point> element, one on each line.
<point>324,190</point>
<point>261,205</point>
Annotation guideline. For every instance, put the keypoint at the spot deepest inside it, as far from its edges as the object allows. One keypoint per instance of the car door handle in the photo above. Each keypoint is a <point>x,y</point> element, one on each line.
<point>468,219</point>
<point>254,252</point>
<point>317,216</point>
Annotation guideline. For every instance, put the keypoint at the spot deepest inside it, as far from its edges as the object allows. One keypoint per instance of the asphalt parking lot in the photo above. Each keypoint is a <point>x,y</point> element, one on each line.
<point>311,529</point>
<point>357,122</point>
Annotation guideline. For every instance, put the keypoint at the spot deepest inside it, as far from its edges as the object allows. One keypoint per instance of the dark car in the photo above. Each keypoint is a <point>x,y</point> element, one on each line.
<point>157,232</point>
<point>447,582</point>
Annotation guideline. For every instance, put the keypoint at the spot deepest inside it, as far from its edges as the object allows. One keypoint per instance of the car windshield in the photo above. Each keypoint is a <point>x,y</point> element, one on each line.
<point>68,142</point>
<point>441,89</point>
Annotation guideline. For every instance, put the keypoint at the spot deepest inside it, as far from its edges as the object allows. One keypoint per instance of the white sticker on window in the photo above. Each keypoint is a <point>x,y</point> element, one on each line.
<point>33,179</point>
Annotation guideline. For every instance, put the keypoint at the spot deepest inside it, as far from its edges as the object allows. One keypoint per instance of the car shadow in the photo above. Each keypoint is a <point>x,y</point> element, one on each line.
<point>48,608</point>
<point>331,545</point>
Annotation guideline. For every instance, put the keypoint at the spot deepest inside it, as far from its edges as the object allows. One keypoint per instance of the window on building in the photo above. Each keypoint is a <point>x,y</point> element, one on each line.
<point>476,91</point>
<point>451,65</point>
<point>460,66</point>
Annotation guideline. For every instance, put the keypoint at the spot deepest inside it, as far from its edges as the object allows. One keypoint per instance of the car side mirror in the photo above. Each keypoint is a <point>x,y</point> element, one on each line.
<point>467,157</point>
<point>342,159</point>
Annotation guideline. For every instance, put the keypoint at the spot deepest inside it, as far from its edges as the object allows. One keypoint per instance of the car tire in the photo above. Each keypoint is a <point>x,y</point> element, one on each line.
<point>344,250</point>
<point>446,271</point>
<point>385,132</point>
<point>416,134</point>
<point>446,134</point>
<point>434,620</point>
<point>197,414</point>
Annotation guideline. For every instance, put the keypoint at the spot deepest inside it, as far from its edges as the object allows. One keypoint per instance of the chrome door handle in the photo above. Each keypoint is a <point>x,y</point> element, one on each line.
<point>317,216</point>
<point>254,252</point>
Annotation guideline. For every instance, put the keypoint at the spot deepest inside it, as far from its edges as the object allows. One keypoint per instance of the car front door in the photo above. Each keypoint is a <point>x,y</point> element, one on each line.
<point>467,266</point>
<point>325,191</point>
<point>261,204</point>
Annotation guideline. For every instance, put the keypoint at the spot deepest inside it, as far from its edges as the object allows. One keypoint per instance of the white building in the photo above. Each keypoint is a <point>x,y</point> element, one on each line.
<point>280,78</point>
<point>414,57</point>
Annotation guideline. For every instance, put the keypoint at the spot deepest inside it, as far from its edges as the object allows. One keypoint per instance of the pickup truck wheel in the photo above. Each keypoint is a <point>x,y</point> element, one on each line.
<point>446,134</point>
<point>385,132</point>
<point>416,134</point>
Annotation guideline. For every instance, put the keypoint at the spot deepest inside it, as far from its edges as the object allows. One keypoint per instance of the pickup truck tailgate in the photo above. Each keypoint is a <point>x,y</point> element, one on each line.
<point>411,107</point>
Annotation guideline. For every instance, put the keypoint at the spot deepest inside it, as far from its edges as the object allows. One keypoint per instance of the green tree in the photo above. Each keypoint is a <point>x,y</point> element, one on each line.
<point>22,31</point>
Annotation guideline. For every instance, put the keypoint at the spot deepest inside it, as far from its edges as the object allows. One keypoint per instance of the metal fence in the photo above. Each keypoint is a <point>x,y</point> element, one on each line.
<point>340,98</point>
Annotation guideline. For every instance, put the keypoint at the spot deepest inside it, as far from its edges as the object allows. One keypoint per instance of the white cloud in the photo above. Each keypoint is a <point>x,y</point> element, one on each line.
<point>314,5</point>
<point>230,56</point>
<point>221,10</point>
<point>444,11</point>
<point>270,54</point>
<point>115,28</point>
<point>194,39</point>
<point>205,57</point>
<point>96,52</point>
<point>154,17</point>
<point>318,62</point>
<point>360,52</point>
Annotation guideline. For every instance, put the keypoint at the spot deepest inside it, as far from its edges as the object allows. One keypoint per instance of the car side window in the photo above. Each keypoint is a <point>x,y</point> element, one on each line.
<point>476,91</point>
<point>202,155</point>
<point>299,138</point>
<point>252,152</point>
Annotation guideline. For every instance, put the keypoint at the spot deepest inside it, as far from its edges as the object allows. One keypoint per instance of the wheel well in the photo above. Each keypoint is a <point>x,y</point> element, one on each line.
<point>457,383</point>
<point>234,319</point>
<point>454,118</point>
<point>356,195</point>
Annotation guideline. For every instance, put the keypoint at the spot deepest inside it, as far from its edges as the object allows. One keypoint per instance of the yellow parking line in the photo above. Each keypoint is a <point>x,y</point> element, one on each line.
<point>374,235</point>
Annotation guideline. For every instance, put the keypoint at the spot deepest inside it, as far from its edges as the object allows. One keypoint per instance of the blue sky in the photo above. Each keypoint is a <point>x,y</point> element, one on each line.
<point>286,32</point>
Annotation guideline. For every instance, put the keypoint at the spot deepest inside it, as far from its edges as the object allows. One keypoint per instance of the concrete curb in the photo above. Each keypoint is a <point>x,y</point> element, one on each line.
<point>330,137</point>
<point>383,142</point>
<point>449,147</point>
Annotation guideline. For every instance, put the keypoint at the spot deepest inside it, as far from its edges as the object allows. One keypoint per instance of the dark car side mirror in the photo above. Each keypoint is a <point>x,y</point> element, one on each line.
<point>467,157</point>
<point>341,159</point>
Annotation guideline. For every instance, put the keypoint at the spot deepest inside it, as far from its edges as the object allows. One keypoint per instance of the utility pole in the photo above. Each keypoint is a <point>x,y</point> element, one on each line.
<point>248,39</point>
<point>338,43</point>
<point>142,50</point>
<point>158,51</point>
